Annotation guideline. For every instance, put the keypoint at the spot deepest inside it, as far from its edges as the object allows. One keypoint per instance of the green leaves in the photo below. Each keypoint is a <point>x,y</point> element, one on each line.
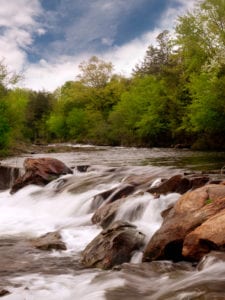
<point>207,111</point>
<point>95,72</point>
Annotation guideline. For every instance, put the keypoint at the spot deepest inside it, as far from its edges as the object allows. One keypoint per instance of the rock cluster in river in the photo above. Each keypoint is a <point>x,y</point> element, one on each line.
<point>192,228</point>
<point>186,232</point>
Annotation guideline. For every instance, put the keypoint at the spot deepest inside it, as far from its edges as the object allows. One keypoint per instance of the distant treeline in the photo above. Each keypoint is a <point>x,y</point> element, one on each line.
<point>176,95</point>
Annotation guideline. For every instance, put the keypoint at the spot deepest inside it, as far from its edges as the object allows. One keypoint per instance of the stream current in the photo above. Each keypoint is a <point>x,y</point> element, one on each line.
<point>66,205</point>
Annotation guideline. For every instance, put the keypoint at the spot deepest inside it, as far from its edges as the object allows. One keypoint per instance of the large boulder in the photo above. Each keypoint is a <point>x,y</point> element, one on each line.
<point>209,236</point>
<point>192,209</point>
<point>40,171</point>
<point>113,246</point>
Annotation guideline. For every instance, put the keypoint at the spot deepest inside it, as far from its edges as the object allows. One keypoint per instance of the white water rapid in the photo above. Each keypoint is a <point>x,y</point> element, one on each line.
<point>66,205</point>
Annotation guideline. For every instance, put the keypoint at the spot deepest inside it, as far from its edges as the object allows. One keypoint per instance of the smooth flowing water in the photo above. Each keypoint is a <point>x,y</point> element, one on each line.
<point>67,205</point>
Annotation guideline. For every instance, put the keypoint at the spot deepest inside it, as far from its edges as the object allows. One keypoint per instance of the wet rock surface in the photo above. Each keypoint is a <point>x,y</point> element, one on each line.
<point>7,176</point>
<point>40,171</point>
<point>148,281</point>
<point>106,213</point>
<point>4,292</point>
<point>49,241</point>
<point>179,184</point>
<point>189,224</point>
<point>113,246</point>
<point>208,236</point>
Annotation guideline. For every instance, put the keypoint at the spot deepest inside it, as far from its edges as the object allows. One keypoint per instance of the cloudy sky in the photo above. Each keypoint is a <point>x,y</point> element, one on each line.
<point>46,40</point>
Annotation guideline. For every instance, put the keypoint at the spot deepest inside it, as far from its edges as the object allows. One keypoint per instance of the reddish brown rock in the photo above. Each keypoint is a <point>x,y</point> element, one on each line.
<point>167,186</point>
<point>209,236</point>
<point>179,184</point>
<point>198,181</point>
<point>113,246</point>
<point>40,171</point>
<point>49,241</point>
<point>191,210</point>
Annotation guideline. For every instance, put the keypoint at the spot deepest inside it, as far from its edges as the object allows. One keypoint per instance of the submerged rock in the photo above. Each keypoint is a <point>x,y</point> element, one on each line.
<point>40,171</point>
<point>113,246</point>
<point>210,259</point>
<point>49,241</point>
<point>4,293</point>
<point>177,238</point>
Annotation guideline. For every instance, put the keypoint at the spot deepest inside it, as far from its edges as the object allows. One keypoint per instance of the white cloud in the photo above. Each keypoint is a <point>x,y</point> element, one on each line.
<point>18,18</point>
<point>125,58</point>
<point>19,13</point>
<point>17,21</point>
<point>168,19</point>
<point>49,76</point>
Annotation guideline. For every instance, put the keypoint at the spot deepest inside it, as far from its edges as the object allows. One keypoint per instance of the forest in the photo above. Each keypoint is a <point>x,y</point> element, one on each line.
<point>174,97</point>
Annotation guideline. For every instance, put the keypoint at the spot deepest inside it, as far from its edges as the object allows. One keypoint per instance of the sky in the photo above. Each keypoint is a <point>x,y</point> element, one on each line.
<point>46,40</point>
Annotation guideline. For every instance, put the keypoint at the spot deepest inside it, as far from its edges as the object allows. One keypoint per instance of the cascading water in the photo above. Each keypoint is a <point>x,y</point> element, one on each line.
<point>67,205</point>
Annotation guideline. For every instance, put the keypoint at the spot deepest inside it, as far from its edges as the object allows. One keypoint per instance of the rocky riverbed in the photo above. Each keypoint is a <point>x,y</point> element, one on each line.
<point>112,230</point>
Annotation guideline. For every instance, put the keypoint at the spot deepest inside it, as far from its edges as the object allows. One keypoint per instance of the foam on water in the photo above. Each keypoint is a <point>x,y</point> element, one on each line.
<point>31,213</point>
<point>66,287</point>
<point>67,207</point>
<point>145,211</point>
<point>62,206</point>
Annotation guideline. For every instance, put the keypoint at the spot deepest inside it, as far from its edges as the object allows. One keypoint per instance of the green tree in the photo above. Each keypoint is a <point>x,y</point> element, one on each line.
<point>201,41</point>
<point>17,100</point>
<point>56,126</point>
<point>141,116</point>
<point>4,127</point>
<point>156,57</point>
<point>77,124</point>
<point>95,72</point>
<point>206,114</point>
<point>38,110</point>
<point>201,36</point>
<point>8,108</point>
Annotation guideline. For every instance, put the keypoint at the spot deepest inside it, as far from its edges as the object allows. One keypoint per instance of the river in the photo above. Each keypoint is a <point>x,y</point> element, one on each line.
<point>66,205</point>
